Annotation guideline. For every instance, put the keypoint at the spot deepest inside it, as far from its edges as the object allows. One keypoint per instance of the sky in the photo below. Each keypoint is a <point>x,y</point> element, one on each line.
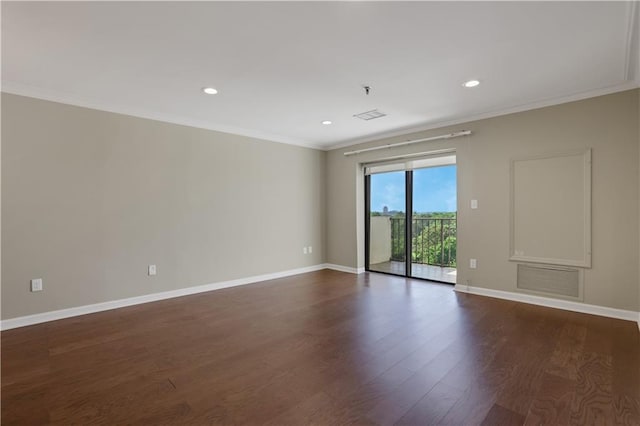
<point>434,190</point>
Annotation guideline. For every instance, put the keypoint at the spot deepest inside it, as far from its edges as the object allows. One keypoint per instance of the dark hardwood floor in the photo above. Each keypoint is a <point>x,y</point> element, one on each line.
<point>325,348</point>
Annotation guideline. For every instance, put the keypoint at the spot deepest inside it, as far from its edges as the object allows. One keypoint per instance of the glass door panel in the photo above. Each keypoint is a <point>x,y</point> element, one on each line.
<point>433,224</point>
<point>387,218</point>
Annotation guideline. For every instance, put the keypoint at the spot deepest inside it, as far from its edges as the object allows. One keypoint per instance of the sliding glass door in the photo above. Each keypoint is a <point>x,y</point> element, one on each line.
<point>411,218</point>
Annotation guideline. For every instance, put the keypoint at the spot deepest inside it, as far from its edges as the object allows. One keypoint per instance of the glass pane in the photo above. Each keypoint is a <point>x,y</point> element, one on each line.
<point>387,196</point>
<point>433,227</point>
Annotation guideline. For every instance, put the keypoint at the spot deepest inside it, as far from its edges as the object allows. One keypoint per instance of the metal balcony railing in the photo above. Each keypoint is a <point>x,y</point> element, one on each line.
<point>433,241</point>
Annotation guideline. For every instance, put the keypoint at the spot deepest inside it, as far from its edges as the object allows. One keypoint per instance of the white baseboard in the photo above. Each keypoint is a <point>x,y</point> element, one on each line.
<point>113,304</point>
<point>342,268</point>
<point>567,305</point>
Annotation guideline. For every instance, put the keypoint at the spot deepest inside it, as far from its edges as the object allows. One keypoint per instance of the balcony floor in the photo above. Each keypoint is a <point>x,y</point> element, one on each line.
<point>418,270</point>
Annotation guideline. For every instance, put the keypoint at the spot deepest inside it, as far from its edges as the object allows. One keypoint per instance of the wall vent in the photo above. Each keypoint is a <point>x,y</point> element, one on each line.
<point>555,280</point>
<point>370,115</point>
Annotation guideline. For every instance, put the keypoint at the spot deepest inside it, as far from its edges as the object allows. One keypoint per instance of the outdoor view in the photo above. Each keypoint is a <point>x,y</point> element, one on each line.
<point>433,225</point>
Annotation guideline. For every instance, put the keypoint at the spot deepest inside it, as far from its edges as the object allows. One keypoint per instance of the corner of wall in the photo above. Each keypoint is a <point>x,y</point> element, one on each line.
<point>325,210</point>
<point>638,137</point>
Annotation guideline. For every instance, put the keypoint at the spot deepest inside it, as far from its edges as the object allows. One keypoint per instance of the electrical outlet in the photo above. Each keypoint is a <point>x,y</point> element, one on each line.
<point>474,204</point>
<point>310,249</point>
<point>36,284</point>
<point>304,250</point>
<point>152,270</point>
<point>473,263</point>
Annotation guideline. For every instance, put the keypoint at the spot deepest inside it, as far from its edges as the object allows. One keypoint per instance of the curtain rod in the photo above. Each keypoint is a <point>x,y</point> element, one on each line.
<point>438,153</point>
<point>393,145</point>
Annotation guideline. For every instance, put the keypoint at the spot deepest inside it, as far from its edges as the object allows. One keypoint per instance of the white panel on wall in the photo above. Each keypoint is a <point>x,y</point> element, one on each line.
<point>551,209</point>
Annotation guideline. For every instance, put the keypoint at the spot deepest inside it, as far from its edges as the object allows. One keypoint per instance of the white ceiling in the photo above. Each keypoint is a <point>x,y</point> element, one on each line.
<point>282,68</point>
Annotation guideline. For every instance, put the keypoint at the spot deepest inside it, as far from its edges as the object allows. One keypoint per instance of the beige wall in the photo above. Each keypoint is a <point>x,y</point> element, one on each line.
<point>90,198</point>
<point>607,124</point>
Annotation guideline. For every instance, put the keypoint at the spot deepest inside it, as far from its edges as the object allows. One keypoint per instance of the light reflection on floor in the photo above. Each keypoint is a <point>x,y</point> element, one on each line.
<point>427,272</point>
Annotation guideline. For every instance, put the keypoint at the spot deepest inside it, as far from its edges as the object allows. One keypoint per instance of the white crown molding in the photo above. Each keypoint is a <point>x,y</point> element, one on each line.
<point>629,85</point>
<point>20,89</point>
<point>114,304</point>
<point>553,303</point>
<point>39,93</point>
<point>342,268</point>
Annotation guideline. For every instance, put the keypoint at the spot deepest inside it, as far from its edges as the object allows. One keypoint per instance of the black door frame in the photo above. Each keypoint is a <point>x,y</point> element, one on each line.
<point>408,221</point>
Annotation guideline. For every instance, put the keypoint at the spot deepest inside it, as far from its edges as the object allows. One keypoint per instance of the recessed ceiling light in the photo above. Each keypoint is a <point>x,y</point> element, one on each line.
<point>209,90</point>
<point>471,83</point>
<point>326,122</point>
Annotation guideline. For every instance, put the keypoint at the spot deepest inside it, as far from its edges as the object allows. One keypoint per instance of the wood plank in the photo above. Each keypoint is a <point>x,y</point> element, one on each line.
<point>566,355</point>
<point>593,400</point>
<point>552,403</point>
<point>498,415</point>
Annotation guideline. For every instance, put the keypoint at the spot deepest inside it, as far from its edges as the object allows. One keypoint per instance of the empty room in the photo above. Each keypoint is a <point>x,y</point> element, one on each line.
<point>328,213</point>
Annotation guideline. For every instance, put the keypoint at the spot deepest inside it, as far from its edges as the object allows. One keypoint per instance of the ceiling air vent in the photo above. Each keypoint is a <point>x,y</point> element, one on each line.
<point>370,115</point>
